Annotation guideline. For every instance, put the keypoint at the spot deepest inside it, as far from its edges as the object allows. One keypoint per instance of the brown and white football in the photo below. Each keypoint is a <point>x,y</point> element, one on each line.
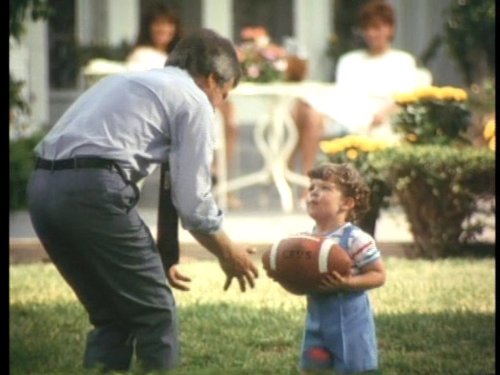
<point>299,262</point>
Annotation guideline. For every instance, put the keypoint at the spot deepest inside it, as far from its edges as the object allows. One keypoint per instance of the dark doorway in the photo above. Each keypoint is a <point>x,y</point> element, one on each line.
<point>275,15</point>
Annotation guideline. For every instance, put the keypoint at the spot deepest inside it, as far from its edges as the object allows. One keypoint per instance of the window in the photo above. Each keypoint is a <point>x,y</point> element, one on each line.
<point>63,64</point>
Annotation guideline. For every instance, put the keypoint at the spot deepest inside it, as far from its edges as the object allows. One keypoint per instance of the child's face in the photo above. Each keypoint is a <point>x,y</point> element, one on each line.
<point>325,201</point>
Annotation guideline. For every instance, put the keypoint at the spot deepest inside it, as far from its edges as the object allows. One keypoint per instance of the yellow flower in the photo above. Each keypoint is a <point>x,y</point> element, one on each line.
<point>453,93</point>
<point>428,92</point>
<point>492,143</point>
<point>431,92</point>
<point>411,137</point>
<point>441,93</point>
<point>353,143</point>
<point>330,147</point>
<point>489,129</point>
<point>405,98</point>
<point>460,95</point>
<point>352,154</point>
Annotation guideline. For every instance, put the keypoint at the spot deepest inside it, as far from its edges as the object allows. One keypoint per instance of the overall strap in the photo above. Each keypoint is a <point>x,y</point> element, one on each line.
<point>344,238</point>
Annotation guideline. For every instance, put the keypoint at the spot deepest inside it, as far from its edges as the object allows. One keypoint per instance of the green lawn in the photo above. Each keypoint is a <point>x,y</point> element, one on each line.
<point>432,318</point>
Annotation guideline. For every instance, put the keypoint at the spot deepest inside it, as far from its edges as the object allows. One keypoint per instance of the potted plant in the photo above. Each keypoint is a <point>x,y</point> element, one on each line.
<point>433,115</point>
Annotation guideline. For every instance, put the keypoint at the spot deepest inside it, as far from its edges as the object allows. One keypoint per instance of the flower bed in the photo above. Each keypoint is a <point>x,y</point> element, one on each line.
<point>433,115</point>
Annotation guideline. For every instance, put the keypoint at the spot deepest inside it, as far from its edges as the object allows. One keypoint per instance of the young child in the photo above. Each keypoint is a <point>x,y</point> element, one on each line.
<point>339,330</point>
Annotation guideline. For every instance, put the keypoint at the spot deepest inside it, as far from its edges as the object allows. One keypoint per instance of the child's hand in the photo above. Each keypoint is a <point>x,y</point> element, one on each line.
<point>334,282</point>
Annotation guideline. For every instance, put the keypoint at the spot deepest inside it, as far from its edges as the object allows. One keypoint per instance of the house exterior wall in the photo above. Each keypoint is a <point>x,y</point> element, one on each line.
<point>114,21</point>
<point>312,27</point>
<point>417,23</point>
<point>107,21</point>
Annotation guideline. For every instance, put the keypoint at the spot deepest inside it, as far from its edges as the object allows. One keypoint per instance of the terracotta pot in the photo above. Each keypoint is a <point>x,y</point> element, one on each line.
<point>297,69</point>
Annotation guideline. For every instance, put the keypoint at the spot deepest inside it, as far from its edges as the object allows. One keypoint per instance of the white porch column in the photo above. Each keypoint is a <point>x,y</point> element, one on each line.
<point>218,15</point>
<point>107,21</point>
<point>312,28</point>
<point>90,21</point>
<point>29,62</point>
<point>38,46</point>
<point>123,21</point>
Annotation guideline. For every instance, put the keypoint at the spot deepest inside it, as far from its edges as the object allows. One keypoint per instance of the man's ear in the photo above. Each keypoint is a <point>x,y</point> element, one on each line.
<point>212,80</point>
<point>202,82</point>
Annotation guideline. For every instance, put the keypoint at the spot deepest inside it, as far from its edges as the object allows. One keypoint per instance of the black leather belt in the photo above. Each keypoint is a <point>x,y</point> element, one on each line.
<point>74,163</point>
<point>83,162</point>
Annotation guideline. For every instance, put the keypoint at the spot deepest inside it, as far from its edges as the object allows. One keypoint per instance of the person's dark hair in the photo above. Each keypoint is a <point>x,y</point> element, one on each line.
<point>349,181</point>
<point>205,52</point>
<point>154,13</point>
<point>376,10</point>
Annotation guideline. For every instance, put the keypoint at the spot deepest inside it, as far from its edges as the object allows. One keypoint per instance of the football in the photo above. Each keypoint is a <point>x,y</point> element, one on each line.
<point>299,262</point>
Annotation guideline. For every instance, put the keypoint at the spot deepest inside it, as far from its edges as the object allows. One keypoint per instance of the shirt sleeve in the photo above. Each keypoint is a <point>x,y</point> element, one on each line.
<point>190,161</point>
<point>363,249</point>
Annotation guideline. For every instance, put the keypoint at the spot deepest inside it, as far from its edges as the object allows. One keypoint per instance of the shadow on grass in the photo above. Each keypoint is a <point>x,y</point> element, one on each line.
<point>232,339</point>
<point>476,250</point>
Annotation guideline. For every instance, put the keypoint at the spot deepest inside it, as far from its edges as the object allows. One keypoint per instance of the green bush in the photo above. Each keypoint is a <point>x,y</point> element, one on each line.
<point>439,188</point>
<point>20,167</point>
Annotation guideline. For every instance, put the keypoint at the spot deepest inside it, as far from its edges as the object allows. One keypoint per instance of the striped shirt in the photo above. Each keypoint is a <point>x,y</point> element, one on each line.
<point>141,119</point>
<point>361,246</point>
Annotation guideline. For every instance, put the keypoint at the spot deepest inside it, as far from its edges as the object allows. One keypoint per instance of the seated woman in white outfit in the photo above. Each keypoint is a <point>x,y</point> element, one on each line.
<point>160,30</point>
<point>366,80</point>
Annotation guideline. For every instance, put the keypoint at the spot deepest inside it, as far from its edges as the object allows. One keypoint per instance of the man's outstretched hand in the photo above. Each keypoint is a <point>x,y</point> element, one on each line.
<point>234,259</point>
<point>239,265</point>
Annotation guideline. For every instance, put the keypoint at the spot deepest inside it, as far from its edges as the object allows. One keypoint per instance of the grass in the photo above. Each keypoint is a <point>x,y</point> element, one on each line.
<point>432,318</point>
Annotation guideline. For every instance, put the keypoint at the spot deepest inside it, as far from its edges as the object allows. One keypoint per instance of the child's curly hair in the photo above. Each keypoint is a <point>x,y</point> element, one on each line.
<point>349,181</point>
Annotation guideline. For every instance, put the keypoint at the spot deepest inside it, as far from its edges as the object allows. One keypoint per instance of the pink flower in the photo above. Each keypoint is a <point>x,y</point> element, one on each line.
<point>253,71</point>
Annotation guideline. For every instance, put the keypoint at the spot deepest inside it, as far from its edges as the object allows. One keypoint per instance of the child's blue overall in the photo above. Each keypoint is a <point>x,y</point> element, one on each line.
<point>339,331</point>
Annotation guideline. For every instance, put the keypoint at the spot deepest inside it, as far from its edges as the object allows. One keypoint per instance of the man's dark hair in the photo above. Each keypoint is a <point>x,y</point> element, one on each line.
<point>205,52</point>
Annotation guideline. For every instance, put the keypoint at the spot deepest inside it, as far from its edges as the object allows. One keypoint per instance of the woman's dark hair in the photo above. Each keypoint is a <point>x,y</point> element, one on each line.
<point>154,13</point>
<point>376,10</point>
<point>205,52</point>
<point>349,181</point>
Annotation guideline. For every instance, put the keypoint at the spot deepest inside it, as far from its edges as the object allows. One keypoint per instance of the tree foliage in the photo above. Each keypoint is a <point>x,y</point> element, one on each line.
<point>38,9</point>
<point>470,37</point>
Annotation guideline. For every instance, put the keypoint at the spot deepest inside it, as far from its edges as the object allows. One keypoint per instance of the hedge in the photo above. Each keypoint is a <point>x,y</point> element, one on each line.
<point>20,167</point>
<point>439,188</point>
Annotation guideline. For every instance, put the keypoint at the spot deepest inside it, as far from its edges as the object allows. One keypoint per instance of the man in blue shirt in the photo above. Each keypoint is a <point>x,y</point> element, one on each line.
<point>82,197</point>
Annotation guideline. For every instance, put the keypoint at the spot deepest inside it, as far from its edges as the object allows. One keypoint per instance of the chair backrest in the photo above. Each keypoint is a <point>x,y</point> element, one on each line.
<point>97,69</point>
